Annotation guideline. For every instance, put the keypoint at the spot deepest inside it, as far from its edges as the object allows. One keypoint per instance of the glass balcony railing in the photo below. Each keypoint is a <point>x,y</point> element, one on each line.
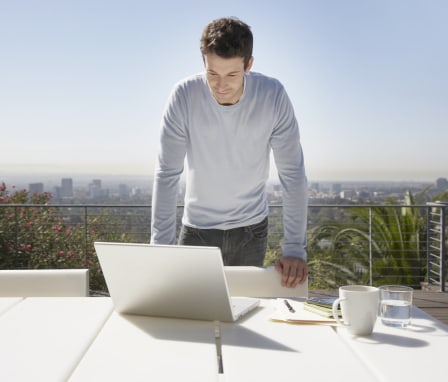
<point>369,244</point>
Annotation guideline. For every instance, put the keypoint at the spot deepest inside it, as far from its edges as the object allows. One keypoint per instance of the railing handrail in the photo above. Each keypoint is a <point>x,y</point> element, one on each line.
<point>109,205</point>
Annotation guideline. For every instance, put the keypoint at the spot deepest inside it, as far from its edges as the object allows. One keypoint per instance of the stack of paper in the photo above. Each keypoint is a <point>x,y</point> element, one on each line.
<point>321,305</point>
<point>291,311</point>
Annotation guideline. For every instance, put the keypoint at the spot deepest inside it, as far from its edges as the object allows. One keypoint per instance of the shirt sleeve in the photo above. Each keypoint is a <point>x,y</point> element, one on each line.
<point>168,170</point>
<point>288,156</point>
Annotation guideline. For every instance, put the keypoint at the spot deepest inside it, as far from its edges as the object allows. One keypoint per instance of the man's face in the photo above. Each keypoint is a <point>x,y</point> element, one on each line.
<point>225,77</point>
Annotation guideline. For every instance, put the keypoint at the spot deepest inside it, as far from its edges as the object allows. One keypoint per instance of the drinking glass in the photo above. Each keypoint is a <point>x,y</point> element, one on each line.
<point>396,305</point>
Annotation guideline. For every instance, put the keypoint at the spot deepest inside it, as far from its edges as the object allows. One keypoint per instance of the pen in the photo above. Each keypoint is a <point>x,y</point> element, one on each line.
<point>288,305</point>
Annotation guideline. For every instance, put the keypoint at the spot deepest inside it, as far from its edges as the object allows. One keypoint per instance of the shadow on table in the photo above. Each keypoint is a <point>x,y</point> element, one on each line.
<point>240,336</point>
<point>392,339</point>
<point>173,329</point>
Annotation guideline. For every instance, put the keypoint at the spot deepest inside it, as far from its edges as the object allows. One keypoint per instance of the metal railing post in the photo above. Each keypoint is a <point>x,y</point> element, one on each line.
<point>370,247</point>
<point>436,264</point>
<point>428,243</point>
<point>443,264</point>
<point>16,237</point>
<point>86,235</point>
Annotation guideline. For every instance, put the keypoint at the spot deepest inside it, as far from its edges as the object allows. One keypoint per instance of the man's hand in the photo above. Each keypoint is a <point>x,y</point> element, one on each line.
<point>294,271</point>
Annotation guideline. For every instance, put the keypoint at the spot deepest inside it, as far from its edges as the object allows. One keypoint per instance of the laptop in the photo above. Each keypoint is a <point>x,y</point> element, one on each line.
<point>170,281</point>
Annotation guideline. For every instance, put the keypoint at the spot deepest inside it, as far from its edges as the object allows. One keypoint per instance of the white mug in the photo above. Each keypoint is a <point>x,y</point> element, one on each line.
<point>359,308</point>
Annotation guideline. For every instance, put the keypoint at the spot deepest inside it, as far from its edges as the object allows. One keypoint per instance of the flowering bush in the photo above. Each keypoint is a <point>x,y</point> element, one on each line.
<point>38,235</point>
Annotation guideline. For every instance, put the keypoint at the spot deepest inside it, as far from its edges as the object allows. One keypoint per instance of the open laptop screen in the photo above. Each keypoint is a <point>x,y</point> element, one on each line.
<point>167,281</point>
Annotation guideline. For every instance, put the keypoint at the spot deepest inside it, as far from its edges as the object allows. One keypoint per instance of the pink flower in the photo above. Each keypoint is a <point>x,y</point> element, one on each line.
<point>58,228</point>
<point>61,253</point>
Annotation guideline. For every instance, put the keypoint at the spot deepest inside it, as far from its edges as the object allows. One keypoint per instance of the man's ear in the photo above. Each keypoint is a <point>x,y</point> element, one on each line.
<point>249,65</point>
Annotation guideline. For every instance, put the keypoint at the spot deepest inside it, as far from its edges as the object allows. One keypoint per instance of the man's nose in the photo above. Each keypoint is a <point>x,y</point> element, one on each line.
<point>220,84</point>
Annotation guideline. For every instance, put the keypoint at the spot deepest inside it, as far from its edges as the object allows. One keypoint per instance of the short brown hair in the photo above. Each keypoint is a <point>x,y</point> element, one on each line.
<point>228,37</point>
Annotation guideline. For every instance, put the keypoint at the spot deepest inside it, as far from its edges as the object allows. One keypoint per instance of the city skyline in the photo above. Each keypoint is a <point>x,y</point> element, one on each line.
<point>53,178</point>
<point>51,182</point>
<point>84,83</point>
<point>138,191</point>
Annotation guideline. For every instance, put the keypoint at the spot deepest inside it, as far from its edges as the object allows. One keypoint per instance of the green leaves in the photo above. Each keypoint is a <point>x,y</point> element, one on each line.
<point>391,235</point>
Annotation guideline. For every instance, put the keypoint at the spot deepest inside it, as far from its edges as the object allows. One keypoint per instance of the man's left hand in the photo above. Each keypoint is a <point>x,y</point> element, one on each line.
<point>294,271</point>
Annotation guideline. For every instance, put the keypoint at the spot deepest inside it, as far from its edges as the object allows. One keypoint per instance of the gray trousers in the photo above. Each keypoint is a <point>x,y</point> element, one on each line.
<point>239,246</point>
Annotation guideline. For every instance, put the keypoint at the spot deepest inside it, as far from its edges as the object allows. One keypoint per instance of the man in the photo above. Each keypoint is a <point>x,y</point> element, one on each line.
<point>225,122</point>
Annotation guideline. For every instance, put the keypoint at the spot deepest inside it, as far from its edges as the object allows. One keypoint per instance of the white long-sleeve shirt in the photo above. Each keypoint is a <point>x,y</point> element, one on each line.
<point>227,150</point>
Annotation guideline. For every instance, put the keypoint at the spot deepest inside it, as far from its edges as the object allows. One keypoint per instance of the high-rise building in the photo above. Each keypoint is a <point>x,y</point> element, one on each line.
<point>67,188</point>
<point>36,188</point>
<point>96,183</point>
<point>336,188</point>
<point>123,191</point>
<point>95,189</point>
<point>442,184</point>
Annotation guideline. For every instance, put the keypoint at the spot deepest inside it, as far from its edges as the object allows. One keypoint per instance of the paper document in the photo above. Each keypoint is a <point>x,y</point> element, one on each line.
<point>291,311</point>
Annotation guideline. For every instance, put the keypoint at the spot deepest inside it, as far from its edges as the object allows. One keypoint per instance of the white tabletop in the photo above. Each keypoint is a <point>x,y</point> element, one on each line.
<point>7,303</point>
<point>43,338</point>
<point>416,353</point>
<point>260,350</point>
<point>138,348</point>
<point>82,339</point>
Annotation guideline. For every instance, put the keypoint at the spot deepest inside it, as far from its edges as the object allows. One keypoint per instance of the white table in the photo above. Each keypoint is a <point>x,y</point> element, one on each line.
<point>260,350</point>
<point>82,339</point>
<point>44,338</point>
<point>138,348</point>
<point>7,303</point>
<point>416,353</point>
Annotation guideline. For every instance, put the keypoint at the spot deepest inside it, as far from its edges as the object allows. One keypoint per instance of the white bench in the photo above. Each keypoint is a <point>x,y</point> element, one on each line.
<point>260,282</point>
<point>44,283</point>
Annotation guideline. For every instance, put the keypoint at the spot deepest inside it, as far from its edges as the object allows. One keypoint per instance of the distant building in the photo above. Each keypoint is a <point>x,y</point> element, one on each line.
<point>67,188</point>
<point>96,183</point>
<point>95,189</point>
<point>136,192</point>
<point>36,188</point>
<point>348,194</point>
<point>336,188</point>
<point>442,184</point>
<point>123,191</point>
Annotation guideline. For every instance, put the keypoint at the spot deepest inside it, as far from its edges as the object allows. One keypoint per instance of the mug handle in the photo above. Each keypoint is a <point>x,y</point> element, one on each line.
<point>335,311</point>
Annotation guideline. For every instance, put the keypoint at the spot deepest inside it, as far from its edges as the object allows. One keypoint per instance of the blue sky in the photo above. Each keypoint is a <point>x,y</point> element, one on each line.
<point>83,83</point>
